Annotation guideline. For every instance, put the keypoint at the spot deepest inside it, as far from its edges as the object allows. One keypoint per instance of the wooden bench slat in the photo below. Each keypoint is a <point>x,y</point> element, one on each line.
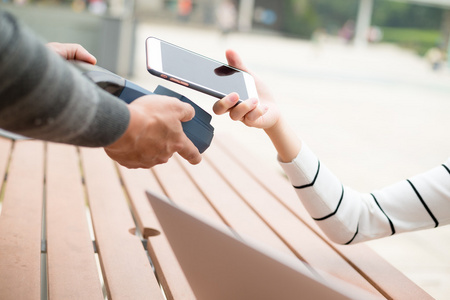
<point>172,176</point>
<point>237,213</point>
<point>308,245</point>
<point>167,268</point>
<point>370,265</point>
<point>136,182</point>
<point>125,266</point>
<point>382,274</point>
<point>20,223</point>
<point>71,264</point>
<point>230,186</point>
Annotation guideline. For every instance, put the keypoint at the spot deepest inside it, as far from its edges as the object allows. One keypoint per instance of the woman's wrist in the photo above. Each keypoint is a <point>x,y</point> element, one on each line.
<point>286,142</point>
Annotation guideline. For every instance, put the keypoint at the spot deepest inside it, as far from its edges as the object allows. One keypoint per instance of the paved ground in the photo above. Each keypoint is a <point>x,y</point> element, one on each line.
<point>374,116</point>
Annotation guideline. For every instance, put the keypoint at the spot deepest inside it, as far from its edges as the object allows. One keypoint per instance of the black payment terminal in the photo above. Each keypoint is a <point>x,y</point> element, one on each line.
<point>199,130</point>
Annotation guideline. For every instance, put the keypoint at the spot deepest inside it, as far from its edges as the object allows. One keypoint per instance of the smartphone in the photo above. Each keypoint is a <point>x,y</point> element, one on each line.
<point>197,72</point>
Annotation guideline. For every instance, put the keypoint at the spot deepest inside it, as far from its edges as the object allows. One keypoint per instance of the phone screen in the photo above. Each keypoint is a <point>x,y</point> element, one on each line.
<point>201,72</point>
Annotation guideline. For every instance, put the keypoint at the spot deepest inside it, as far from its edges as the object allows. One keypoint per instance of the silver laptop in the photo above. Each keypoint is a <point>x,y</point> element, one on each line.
<point>219,264</point>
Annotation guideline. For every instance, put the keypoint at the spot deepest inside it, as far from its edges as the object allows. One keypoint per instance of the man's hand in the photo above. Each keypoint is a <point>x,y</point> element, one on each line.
<point>154,133</point>
<point>72,52</point>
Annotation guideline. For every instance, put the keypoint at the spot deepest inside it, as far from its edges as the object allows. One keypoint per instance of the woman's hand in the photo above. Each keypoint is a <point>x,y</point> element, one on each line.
<point>261,113</point>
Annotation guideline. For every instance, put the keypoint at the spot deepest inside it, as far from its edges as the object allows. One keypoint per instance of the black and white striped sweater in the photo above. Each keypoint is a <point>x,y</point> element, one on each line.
<point>348,216</point>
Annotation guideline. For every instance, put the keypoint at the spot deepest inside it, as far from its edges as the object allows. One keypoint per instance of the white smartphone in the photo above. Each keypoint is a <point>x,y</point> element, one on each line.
<point>198,72</point>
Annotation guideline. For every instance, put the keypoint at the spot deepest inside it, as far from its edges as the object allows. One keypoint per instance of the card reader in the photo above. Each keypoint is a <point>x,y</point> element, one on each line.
<point>199,130</point>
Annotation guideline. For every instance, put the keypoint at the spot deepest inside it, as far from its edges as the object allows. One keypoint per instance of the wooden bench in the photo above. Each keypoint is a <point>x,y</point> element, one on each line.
<point>51,193</point>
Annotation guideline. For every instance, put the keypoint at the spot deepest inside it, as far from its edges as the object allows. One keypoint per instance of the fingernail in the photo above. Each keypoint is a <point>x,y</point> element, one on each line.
<point>233,98</point>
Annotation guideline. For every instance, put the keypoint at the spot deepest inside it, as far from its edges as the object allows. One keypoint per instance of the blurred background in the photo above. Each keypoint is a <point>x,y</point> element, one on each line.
<point>365,83</point>
<point>420,25</point>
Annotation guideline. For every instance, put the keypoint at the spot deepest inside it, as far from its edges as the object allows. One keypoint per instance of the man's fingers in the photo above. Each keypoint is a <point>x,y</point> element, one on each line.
<point>185,110</point>
<point>72,52</point>
<point>190,152</point>
<point>77,52</point>
<point>82,54</point>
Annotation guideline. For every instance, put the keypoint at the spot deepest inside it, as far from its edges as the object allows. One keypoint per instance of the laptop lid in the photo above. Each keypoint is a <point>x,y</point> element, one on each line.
<point>220,264</point>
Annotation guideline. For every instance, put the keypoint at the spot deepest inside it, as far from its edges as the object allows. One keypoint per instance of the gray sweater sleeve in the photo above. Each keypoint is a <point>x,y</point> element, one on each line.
<point>44,97</point>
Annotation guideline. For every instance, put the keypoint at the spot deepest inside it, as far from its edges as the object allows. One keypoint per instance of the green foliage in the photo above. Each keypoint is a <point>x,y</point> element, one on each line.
<point>300,18</point>
<point>409,25</point>
<point>419,40</point>
<point>406,15</point>
<point>334,14</point>
<point>303,17</point>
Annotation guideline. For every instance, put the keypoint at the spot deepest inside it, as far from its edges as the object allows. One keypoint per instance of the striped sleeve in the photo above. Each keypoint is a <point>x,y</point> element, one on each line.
<point>348,216</point>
